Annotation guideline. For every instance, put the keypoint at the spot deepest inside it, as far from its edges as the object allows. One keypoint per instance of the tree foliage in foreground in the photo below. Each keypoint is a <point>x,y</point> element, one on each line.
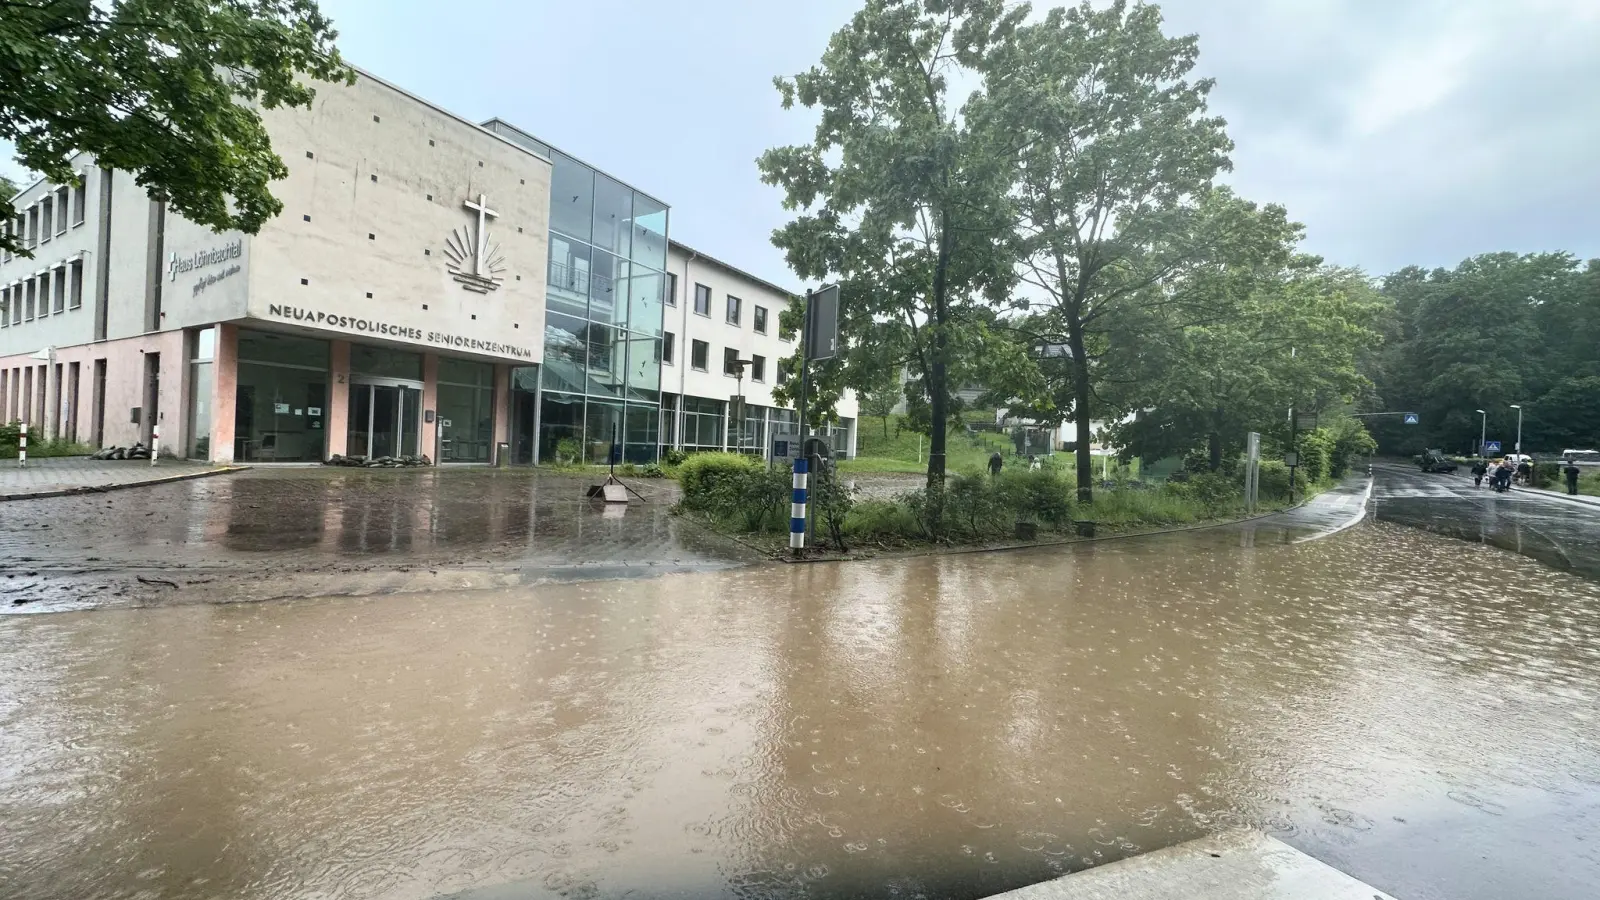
<point>166,89</point>
<point>1117,213</point>
<point>900,198</point>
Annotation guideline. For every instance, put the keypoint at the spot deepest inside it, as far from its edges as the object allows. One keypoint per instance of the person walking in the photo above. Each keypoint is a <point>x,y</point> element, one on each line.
<point>1502,476</point>
<point>1525,473</point>
<point>1479,469</point>
<point>1572,472</point>
<point>995,462</point>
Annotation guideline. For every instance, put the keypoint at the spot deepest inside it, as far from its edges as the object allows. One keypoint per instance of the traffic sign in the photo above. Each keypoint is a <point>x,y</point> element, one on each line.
<point>786,446</point>
<point>1412,418</point>
<point>1491,448</point>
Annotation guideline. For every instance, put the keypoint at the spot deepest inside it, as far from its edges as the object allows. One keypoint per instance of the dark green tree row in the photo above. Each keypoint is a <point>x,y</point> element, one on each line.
<point>1498,330</point>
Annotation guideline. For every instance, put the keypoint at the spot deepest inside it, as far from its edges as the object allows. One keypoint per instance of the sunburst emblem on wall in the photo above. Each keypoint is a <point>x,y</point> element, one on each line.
<point>470,257</point>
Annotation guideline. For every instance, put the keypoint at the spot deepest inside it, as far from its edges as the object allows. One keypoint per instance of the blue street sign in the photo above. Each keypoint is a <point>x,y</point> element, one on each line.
<point>1411,418</point>
<point>1491,448</point>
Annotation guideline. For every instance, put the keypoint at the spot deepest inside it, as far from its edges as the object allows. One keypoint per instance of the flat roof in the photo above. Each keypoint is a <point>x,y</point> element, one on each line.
<point>496,120</point>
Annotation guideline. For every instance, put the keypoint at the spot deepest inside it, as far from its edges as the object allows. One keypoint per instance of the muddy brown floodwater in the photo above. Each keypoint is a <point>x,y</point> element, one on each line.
<point>1416,710</point>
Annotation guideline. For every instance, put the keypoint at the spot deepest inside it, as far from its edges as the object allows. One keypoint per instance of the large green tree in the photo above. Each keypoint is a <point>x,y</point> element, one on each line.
<point>1291,340</point>
<point>901,198</point>
<point>1114,187</point>
<point>166,89</point>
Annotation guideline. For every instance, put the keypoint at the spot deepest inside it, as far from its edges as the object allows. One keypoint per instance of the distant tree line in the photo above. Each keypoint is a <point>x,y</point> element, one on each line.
<point>1497,330</point>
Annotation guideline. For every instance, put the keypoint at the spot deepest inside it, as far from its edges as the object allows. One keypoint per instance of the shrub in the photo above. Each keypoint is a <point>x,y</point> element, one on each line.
<point>568,451</point>
<point>1042,496</point>
<point>701,472</point>
<point>1274,480</point>
<point>38,447</point>
<point>674,456</point>
<point>974,504</point>
<point>1167,506</point>
<point>831,500</point>
<point>1548,474</point>
<point>882,520</point>
<point>653,470</point>
<point>1214,492</point>
<point>1316,455</point>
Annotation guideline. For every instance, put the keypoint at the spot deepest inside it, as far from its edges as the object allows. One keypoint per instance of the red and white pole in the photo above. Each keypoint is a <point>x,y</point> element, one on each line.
<point>155,442</point>
<point>22,447</point>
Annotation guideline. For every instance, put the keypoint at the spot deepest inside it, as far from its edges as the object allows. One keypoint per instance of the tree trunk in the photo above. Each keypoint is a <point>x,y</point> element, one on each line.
<point>1080,409</point>
<point>938,394</point>
<point>1214,441</point>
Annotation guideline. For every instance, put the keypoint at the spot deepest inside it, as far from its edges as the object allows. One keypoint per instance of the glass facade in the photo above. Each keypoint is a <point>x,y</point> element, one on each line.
<point>280,403</point>
<point>202,352</point>
<point>465,410</point>
<point>604,305</point>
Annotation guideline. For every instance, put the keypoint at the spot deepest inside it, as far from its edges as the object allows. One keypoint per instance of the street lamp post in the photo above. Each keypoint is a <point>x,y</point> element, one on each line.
<point>1483,432</point>
<point>1518,408</point>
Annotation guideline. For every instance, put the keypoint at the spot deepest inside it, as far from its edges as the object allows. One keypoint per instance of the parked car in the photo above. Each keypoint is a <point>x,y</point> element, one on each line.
<point>1436,461</point>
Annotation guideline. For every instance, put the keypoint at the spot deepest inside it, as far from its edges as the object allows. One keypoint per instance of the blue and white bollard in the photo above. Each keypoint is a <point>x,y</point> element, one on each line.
<point>22,447</point>
<point>797,509</point>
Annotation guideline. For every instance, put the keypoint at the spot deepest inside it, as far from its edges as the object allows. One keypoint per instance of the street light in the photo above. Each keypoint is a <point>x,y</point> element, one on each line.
<point>1518,408</point>
<point>1483,433</point>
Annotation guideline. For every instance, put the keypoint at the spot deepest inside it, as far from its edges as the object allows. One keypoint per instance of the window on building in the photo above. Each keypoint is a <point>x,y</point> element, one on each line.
<point>46,219</point>
<point>730,361</point>
<point>703,427</point>
<point>80,200</point>
<point>32,223</point>
<point>672,289</point>
<point>5,230</point>
<point>702,300</point>
<point>76,280</point>
<point>759,320</point>
<point>32,287</point>
<point>17,290</point>
<point>5,307</point>
<point>62,193</point>
<point>735,306</point>
<point>668,346</point>
<point>782,376</point>
<point>698,352</point>
<point>758,368</point>
<point>60,290</point>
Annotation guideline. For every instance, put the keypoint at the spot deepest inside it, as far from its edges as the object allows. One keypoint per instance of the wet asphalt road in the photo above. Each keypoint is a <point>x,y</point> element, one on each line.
<point>1554,531</point>
<point>293,532</point>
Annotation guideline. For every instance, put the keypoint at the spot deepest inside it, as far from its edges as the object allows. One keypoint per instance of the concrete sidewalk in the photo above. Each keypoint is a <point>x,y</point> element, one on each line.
<point>63,475</point>
<point>1234,865</point>
<point>1582,499</point>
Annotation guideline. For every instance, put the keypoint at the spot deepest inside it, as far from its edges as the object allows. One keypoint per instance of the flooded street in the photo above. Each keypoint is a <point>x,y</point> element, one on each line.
<point>1418,711</point>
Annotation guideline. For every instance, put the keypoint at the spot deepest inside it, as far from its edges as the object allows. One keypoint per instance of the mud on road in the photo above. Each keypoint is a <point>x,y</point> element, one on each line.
<point>269,533</point>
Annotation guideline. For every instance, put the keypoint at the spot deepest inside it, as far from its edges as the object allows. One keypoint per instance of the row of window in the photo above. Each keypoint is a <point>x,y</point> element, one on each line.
<point>700,356</point>
<point>702,305</point>
<point>48,216</point>
<point>53,291</point>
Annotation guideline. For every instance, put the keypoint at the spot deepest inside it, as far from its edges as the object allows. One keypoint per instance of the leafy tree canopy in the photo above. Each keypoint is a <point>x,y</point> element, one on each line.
<point>166,89</point>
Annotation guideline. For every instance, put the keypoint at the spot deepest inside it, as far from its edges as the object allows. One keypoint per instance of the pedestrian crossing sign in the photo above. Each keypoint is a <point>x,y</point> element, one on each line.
<point>1411,418</point>
<point>1491,448</point>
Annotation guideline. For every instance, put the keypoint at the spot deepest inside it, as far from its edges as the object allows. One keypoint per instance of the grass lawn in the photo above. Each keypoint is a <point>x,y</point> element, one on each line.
<point>908,451</point>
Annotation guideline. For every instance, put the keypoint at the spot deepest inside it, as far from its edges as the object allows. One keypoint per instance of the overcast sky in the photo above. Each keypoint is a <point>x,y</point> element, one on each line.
<point>1420,132</point>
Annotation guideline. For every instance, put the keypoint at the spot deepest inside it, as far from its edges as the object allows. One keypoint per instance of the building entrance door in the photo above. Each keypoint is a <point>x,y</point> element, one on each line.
<point>385,418</point>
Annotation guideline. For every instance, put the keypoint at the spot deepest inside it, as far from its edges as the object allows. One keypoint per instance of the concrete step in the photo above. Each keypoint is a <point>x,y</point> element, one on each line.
<point>1233,865</point>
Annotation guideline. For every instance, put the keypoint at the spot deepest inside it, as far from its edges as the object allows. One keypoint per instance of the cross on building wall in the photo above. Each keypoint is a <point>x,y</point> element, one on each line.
<point>481,239</point>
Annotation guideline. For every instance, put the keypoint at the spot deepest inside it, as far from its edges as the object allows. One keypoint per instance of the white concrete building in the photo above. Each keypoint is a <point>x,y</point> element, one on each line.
<point>718,315</point>
<point>432,287</point>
